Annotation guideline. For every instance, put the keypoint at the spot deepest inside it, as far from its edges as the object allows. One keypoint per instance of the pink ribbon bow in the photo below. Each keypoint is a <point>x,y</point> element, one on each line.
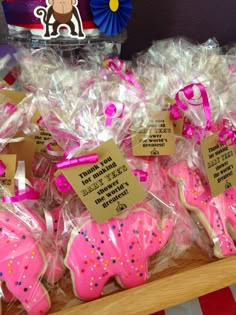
<point>113,111</point>
<point>141,175</point>
<point>117,66</point>
<point>2,168</point>
<point>227,134</point>
<point>190,129</point>
<point>86,159</point>
<point>20,195</point>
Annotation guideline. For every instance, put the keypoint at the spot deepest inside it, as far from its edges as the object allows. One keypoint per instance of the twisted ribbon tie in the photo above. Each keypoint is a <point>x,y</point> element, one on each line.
<point>49,148</point>
<point>85,159</point>
<point>117,66</point>
<point>22,193</point>
<point>142,175</point>
<point>61,182</point>
<point>27,194</point>
<point>175,110</point>
<point>113,111</point>
<point>227,134</point>
<point>49,224</point>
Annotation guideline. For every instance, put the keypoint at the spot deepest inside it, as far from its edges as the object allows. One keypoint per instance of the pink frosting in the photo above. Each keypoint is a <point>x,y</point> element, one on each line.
<point>217,210</point>
<point>55,268</point>
<point>118,247</point>
<point>167,191</point>
<point>21,265</point>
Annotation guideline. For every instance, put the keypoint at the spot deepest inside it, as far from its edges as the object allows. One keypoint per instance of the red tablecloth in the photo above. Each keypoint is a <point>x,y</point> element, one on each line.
<point>222,302</point>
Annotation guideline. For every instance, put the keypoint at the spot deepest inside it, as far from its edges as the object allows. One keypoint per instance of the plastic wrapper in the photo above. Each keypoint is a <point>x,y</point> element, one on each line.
<point>15,117</point>
<point>100,106</point>
<point>160,185</point>
<point>115,248</point>
<point>83,106</point>
<point>29,236</point>
<point>24,261</point>
<point>213,212</point>
<point>9,68</point>
<point>175,63</point>
<point>195,83</point>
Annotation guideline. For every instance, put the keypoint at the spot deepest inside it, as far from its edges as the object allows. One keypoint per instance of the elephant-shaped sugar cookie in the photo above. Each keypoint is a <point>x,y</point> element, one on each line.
<point>22,264</point>
<point>118,248</point>
<point>217,214</point>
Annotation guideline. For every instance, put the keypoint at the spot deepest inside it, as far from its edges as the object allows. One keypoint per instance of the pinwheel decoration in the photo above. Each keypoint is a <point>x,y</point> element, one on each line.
<point>111,16</point>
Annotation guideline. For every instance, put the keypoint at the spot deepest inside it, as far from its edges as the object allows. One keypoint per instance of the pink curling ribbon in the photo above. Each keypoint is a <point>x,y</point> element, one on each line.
<point>116,65</point>
<point>86,159</point>
<point>175,110</point>
<point>50,150</point>
<point>227,134</point>
<point>141,175</point>
<point>2,168</point>
<point>113,111</point>
<point>62,184</point>
<point>10,108</point>
<point>21,195</point>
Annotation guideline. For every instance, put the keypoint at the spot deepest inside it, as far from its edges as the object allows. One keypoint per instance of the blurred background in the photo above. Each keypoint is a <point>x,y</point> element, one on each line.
<point>197,20</point>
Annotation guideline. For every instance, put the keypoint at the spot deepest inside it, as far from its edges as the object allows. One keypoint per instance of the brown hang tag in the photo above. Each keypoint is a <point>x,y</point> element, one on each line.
<point>107,187</point>
<point>220,164</point>
<point>3,99</point>
<point>24,151</point>
<point>157,138</point>
<point>15,97</point>
<point>168,102</point>
<point>7,179</point>
<point>179,125</point>
<point>43,136</point>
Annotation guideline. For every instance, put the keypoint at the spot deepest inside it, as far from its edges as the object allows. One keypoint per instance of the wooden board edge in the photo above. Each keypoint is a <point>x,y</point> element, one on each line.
<point>163,293</point>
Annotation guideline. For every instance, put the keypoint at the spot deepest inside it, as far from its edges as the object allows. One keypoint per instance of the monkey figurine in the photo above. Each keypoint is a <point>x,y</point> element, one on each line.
<point>62,11</point>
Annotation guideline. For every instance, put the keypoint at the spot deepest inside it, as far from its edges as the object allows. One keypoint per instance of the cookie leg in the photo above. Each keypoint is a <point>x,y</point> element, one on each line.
<point>134,274</point>
<point>232,223</point>
<point>55,268</point>
<point>32,295</point>
<point>222,237</point>
<point>230,206</point>
<point>88,285</point>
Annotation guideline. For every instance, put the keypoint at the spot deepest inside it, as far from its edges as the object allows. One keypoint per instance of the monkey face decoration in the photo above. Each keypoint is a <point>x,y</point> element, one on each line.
<point>60,13</point>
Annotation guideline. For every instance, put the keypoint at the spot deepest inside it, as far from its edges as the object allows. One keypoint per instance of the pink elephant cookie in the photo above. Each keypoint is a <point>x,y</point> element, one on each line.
<point>165,190</point>
<point>215,213</point>
<point>22,263</point>
<point>118,248</point>
<point>51,247</point>
<point>55,268</point>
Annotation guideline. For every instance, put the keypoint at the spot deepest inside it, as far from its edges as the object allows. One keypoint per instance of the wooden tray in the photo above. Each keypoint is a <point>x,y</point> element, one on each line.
<point>189,279</point>
<point>192,275</point>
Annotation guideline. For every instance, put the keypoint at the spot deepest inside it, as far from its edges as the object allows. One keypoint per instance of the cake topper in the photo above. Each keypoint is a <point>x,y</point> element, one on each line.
<point>60,13</point>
